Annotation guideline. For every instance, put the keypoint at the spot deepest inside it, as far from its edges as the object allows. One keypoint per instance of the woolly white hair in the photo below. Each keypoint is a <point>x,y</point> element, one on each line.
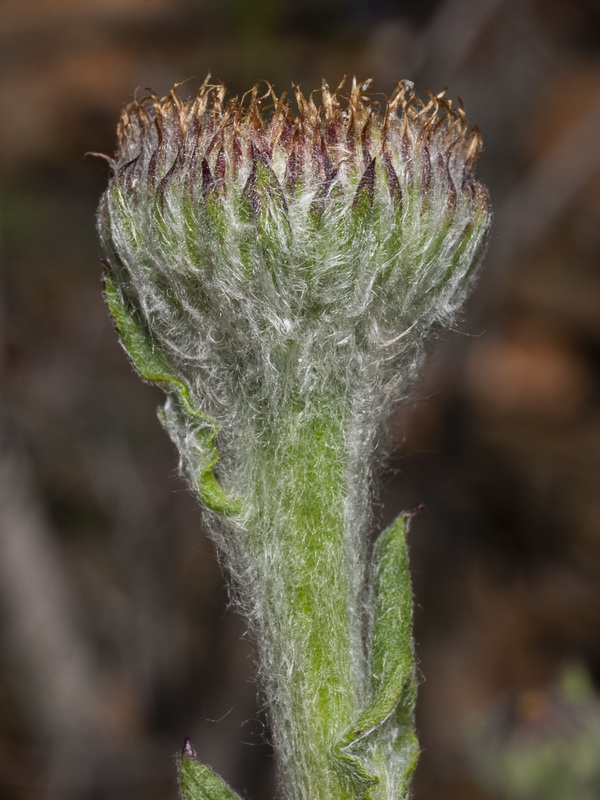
<point>288,268</point>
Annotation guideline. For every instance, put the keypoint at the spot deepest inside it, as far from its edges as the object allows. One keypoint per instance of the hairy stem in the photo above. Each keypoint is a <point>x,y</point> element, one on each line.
<point>310,622</point>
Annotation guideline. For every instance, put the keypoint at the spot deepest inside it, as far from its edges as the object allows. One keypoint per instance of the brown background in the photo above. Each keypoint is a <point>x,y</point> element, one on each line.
<point>115,639</point>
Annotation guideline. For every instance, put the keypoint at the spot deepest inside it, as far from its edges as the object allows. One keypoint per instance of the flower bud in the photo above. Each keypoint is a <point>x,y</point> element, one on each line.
<point>267,252</point>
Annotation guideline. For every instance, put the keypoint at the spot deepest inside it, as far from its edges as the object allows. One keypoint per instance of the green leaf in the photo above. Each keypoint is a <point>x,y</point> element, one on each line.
<point>385,725</point>
<point>153,366</point>
<point>197,782</point>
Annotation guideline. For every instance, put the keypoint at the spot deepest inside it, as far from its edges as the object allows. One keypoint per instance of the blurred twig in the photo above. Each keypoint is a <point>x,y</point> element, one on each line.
<point>52,674</point>
<point>550,187</point>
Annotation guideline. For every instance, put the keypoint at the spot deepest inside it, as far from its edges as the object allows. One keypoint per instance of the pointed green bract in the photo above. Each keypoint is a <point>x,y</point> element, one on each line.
<point>198,782</point>
<point>386,726</point>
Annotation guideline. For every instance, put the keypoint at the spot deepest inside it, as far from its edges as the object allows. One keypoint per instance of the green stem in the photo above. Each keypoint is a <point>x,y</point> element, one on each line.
<point>310,624</point>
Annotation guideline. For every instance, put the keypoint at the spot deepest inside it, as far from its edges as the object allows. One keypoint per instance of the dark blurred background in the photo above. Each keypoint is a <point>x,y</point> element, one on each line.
<point>115,637</point>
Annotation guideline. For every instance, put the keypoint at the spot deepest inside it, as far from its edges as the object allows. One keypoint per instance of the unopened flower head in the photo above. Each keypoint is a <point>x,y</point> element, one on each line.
<point>268,251</point>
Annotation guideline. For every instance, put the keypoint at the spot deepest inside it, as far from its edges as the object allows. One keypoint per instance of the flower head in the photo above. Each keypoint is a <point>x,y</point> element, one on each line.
<point>268,251</point>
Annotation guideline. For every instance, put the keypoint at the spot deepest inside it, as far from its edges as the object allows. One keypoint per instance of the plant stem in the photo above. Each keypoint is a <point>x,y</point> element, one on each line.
<point>311,626</point>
